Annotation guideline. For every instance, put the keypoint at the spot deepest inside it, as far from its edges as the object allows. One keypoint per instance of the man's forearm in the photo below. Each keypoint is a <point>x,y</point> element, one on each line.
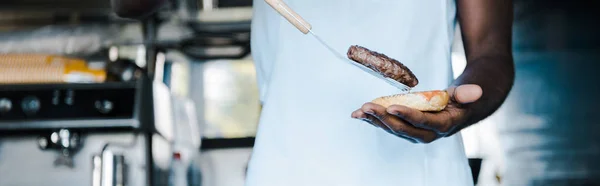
<point>486,27</point>
<point>495,74</point>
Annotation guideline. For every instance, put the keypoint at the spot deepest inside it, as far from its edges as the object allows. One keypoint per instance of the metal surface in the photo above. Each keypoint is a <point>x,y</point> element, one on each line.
<point>65,141</point>
<point>20,158</point>
<point>138,133</point>
<point>149,27</point>
<point>120,170</point>
<point>96,170</point>
<point>111,164</point>
<point>102,123</point>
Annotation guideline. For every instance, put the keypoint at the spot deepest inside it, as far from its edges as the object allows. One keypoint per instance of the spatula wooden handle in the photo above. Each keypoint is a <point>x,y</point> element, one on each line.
<point>290,15</point>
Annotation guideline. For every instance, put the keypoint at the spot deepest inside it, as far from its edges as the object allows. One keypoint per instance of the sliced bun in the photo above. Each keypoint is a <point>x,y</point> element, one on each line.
<point>424,101</point>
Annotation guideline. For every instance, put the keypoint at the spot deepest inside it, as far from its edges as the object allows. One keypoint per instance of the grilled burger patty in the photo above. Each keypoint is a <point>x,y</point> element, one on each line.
<point>383,64</point>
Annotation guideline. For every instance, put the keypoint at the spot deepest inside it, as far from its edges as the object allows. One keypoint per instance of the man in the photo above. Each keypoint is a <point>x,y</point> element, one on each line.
<point>306,135</point>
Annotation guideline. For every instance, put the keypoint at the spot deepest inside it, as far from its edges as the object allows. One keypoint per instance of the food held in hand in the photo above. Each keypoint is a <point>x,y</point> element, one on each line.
<point>383,64</point>
<point>432,101</point>
<point>424,101</point>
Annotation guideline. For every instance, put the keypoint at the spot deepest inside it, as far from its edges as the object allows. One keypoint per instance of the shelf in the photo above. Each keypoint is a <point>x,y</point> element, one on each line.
<point>56,5</point>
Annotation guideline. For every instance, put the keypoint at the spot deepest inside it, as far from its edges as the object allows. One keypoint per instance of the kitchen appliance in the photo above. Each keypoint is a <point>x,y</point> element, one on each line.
<point>84,134</point>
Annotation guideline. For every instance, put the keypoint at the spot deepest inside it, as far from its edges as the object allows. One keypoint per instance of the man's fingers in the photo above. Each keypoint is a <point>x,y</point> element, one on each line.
<point>376,122</point>
<point>413,116</point>
<point>372,108</point>
<point>378,116</point>
<point>432,121</point>
<point>464,94</point>
<point>381,114</point>
<point>358,114</point>
<point>402,128</point>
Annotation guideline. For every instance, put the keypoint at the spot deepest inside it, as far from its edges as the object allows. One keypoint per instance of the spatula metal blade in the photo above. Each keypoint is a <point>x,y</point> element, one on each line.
<point>392,82</point>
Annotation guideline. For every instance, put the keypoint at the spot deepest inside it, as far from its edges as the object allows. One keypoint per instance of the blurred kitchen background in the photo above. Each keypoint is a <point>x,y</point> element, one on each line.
<point>193,60</point>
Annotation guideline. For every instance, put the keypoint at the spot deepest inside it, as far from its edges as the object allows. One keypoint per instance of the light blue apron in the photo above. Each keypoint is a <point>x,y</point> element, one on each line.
<point>306,135</point>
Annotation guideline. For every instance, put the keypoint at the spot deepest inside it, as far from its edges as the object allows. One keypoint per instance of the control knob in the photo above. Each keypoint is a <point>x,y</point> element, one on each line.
<point>5,105</point>
<point>31,105</point>
<point>104,106</point>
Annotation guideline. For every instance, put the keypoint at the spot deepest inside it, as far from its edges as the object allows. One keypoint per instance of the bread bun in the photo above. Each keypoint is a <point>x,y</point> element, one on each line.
<point>424,101</point>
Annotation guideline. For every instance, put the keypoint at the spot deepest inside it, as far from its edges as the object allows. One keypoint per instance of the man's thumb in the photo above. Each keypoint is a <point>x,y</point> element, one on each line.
<point>467,93</point>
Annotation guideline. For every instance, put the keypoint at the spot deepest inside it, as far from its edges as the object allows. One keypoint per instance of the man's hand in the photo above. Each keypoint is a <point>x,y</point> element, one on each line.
<point>423,127</point>
<point>486,27</point>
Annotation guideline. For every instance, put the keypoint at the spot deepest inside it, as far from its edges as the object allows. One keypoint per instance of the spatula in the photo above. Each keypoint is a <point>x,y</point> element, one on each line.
<point>305,27</point>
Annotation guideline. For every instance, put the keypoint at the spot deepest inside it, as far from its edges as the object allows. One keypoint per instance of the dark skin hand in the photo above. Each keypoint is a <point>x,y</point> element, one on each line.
<point>478,92</point>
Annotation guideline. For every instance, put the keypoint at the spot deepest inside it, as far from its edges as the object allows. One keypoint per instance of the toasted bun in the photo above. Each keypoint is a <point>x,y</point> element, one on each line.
<point>424,101</point>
